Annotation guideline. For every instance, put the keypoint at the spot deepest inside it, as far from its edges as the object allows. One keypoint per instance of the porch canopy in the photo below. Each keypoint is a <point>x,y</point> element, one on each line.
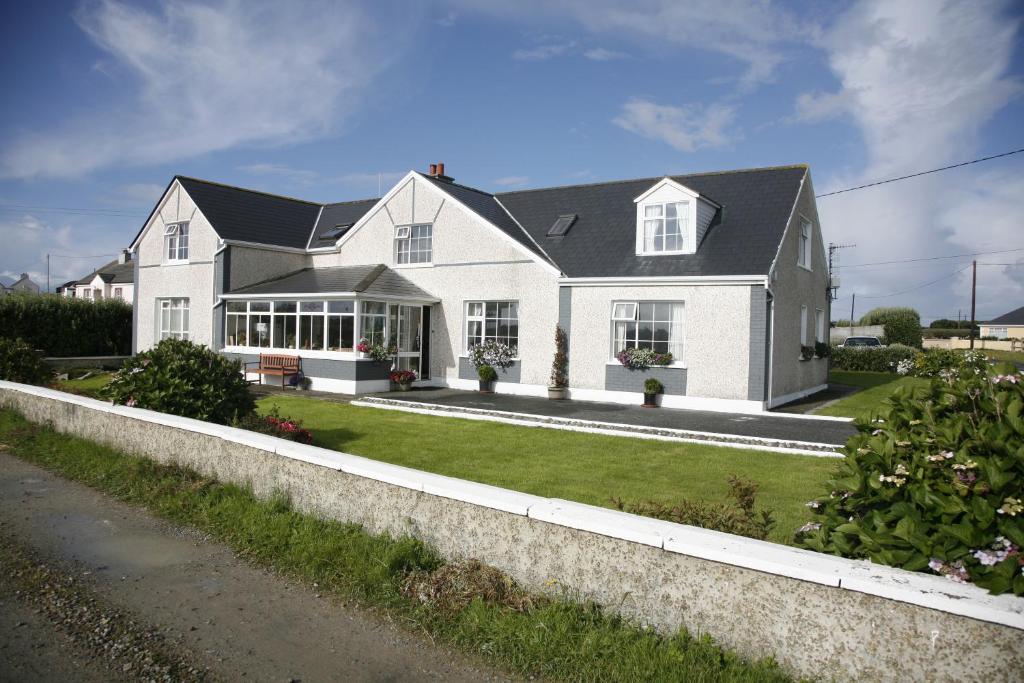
<point>328,310</point>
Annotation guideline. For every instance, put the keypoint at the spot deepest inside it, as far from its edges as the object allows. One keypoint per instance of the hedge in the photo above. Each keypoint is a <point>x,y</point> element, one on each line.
<point>60,326</point>
<point>871,359</point>
<point>901,325</point>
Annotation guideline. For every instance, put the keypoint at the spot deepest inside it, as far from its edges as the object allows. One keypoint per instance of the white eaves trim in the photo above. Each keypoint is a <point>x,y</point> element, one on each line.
<point>412,176</point>
<point>520,226</point>
<point>668,182</point>
<point>330,295</point>
<point>665,280</point>
<point>267,247</point>
<point>159,209</point>
<point>933,592</point>
<point>789,221</point>
<point>312,231</point>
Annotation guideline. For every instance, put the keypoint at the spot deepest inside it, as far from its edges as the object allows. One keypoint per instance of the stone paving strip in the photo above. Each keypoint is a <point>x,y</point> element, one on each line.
<point>610,428</point>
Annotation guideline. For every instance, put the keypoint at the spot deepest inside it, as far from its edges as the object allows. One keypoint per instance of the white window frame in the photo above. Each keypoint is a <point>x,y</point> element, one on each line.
<point>405,237</point>
<point>482,318</point>
<point>682,223</point>
<point>165,328</point>
<point>804,241</point>
<point>173,238</point>
<point>819,325</point>
<point>629,312</point>
<point>803,325</point>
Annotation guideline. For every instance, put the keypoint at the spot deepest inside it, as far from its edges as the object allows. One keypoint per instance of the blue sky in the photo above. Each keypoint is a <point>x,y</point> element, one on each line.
<point>106,101</point>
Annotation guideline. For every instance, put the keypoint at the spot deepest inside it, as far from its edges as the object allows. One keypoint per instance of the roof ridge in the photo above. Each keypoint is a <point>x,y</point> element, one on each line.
<point>464,187</point>
<point>369,278</point>
<point>654,178</point>
<point>352,201</point>
<point>247,189</point>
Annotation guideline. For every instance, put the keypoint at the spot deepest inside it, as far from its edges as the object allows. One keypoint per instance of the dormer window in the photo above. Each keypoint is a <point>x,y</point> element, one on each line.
<point>176,242</point>
<point>671,219</point>
<point>665,227</point>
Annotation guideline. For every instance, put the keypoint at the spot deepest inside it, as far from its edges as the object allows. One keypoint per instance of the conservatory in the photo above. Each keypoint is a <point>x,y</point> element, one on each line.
<point>350,326</point>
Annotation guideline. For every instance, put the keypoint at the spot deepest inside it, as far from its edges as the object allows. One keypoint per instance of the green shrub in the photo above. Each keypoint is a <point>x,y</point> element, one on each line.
<point>486,373</point>
<point>932,362</point>
<point>653,386</point>
<point>901,325</point>
<point>822,349</point>
<point>735,517</point>
<point>68,327</point>
<point>182,378</point>
<point>935,483</point>
<point>19,362</point>
<point>871,359</point>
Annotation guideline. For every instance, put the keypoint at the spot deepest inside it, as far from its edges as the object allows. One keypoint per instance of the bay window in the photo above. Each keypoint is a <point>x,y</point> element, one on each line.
<point>654,325</point>
<point>174,322</point>
<point>492,320</point>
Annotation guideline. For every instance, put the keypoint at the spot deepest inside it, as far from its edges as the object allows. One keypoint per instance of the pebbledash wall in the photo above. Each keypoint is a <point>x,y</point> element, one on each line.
<point>819,616</point>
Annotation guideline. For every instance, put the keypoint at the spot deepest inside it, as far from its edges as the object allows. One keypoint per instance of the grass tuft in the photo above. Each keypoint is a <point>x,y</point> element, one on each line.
<point>555,638</point>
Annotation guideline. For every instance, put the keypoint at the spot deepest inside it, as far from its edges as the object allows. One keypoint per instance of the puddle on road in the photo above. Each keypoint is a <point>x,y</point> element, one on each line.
<point>102,544</point>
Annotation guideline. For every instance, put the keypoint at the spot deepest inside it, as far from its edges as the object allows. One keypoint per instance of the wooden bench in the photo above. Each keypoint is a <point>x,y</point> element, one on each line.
<point>272,364</point>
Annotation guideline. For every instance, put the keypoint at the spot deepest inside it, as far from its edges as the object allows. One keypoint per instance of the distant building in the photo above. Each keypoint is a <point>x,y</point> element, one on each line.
<point>1007,326</point>
<point>67,289</point>
<point>23,285</point>
<point>115,280</point>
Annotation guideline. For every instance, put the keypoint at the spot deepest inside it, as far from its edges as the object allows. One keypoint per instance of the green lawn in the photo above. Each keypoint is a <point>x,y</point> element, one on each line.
<point>874,388</point>
<point>90,386</point>
<point>1009,356</point>
<point>588,468</point>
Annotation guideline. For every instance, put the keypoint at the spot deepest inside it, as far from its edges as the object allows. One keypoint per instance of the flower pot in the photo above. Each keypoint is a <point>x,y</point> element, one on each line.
<point>557,393</point>
<point>403,386</point>
<point>486,386</point>
<point>650,400</point>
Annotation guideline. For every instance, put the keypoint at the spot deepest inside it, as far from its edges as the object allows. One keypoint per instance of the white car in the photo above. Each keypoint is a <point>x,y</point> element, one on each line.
<point>863,342</point>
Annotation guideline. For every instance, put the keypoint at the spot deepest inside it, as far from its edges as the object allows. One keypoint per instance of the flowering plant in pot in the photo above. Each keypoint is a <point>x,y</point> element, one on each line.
<point>403,379</point>
<point>641,359</point>
<point>487,376</point>
<point>559,366</point>
<point>377,352</point>
<point>652,388</point>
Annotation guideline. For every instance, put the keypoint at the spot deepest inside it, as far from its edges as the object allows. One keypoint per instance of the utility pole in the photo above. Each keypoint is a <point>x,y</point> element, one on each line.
<point>47,273</point>
<point>852,302</point>
<point>974,289</point>
<point>833,265</point>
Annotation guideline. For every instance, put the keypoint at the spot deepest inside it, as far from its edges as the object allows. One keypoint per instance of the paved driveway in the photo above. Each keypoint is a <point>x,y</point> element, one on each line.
<point>773,426</point>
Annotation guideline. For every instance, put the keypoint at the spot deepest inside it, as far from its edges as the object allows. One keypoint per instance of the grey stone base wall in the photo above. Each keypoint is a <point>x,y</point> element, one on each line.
<point>510,374</point>
<point>620,378</point>
<point>329,368</point>
<point>812,630</point>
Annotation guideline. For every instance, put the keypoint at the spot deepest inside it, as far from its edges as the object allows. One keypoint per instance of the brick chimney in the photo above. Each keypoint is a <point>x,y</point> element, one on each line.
<point>437,171</point>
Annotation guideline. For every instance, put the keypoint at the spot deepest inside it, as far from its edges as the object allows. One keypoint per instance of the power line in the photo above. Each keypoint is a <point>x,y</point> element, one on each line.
<point>80,255</point>
<point>912,289</point>
<point>84,211</point>
<point>932,258</point>
<point>921,173</point>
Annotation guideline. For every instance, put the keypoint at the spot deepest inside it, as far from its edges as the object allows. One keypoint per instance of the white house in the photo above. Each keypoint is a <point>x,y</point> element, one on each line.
<point>725,271</point>
<point>1007,326</point>
<point>115,280</point>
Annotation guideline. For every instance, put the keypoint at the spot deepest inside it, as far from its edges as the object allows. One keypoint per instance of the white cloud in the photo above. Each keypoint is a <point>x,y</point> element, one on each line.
<point>543,52</point>
<point>920,80</point>
<point>27,239</point>
<point>685,128</point>
<point>512,181</point>
<point>600,54</point>
<point>201,77</point>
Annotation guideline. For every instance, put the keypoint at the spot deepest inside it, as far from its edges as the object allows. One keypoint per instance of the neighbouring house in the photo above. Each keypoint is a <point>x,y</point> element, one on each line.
<point>725,271</point>
<point>66,289</point>
<point>1007,326</point>
<point>23,285</point>
<point>115,280</point>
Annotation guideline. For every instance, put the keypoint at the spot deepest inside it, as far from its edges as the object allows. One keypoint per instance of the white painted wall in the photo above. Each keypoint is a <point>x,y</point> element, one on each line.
<point>192,280</point>
<point>471,261</point>
<point>716,341</point>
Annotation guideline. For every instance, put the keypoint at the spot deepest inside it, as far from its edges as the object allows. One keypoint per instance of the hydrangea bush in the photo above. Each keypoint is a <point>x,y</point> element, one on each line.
<point>493,353</point>
<point>182,378</point>
<point>935,483</point>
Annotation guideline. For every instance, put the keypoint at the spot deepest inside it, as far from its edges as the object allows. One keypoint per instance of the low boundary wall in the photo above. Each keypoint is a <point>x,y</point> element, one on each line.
<point>819,616</point>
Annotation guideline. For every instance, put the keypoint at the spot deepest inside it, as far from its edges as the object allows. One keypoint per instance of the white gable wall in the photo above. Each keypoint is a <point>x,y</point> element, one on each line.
<point>192,280</point>
<point>471,261</point>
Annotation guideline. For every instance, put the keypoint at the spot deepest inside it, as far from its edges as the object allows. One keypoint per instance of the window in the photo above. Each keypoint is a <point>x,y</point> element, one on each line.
<point>654,325</point>
<point>804,254</point>
<point>173,318</point>
<point>118,293</point>
<point>372,321</point>
<point>341,325</point>
<point>665,227</point>
<point>259,324</point>
<point>307,325</point>
<point>492,320</point>
<point>414,244</point>
<point>998,332</point>
<point>176,242</point>
<point>819,326</point>
<point>311,325</point>
<point>803,325</point>
<point>284,325</point>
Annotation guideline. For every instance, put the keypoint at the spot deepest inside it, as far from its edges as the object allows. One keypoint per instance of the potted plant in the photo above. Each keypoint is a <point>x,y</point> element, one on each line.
<point>403,379</point>
<point>652,388</point>
<point>558,388</point>
<point>821,349</point>
<point>806,352</point>
<point>487,376</point>
<point>299,381</point>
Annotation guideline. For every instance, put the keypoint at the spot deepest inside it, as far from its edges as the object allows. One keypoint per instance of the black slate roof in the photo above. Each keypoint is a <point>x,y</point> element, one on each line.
<point>333,215</point>
<point>742,240</point>
<point>1015,317</point>
<point>113,273</point>
<point>376,280</point>
<point>250,216</point>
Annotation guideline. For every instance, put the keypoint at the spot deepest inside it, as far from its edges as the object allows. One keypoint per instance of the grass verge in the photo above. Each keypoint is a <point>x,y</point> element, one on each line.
<point>875,387</point>
<point>553,638</point>
<point>1004,356</point>
<point>587,468</point>
<point>90,386</point>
